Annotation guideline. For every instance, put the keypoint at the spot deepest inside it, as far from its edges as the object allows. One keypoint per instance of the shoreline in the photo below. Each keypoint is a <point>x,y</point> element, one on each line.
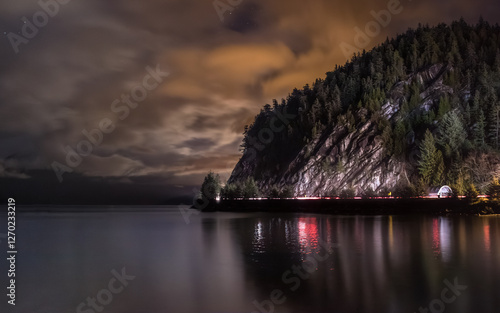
<point>448,206</point>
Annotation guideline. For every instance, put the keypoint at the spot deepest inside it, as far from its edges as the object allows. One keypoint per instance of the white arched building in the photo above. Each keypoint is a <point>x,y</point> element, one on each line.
<point>441,192</point>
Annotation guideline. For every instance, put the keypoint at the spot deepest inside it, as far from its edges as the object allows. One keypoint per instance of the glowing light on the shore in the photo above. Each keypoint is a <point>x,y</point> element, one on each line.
<point>430,196</point>
<point>308,198</point>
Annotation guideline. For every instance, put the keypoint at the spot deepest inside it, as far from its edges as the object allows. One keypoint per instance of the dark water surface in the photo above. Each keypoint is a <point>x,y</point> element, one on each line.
<point>225,262</point>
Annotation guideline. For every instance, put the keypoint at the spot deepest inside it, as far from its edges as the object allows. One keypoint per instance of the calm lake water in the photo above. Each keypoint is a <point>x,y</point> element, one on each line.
<point>225,262</point>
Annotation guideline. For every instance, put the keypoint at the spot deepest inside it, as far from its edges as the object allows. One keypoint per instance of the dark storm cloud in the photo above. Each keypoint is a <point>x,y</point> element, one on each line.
<point>246,18</point>
<point>199,144</point>
<point>65,78</point>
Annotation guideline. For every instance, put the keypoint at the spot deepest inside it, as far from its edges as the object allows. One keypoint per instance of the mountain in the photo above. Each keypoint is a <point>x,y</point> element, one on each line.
<point>417,111</point>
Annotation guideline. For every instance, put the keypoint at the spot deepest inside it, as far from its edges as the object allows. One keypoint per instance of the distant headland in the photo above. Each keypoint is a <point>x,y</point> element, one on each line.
<point>416,113</point>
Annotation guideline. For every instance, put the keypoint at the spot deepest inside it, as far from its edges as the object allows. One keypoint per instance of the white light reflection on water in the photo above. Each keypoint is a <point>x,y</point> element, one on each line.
<point>445,236</point>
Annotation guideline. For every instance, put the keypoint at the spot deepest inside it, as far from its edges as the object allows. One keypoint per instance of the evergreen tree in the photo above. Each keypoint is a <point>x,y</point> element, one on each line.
<point>494,126</point>
<point>388,140</point>
<point>479,135</point>
<point>431,164</point>
<point>494,190</point>
<point>439,169</point>
<point>457,176</point>
<point>211,186</point>
<point>398,66</point>
<point>451,132</point>
<point>231,191</point>
<point>250,189</point>
<point>399,139</point>
<point>496,65</point>
<point>415,98</point>
<point>467,114</point>
<point>413,59</point>
<point>315,112</point>
<point>427,157</point>
<point>444,106</point>
<point>471,193</point>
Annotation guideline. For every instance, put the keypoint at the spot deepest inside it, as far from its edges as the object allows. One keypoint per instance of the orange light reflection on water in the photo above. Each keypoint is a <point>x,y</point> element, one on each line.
<point>487,241</point>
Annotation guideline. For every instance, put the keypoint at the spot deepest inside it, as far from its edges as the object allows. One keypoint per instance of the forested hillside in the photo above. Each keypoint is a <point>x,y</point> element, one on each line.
<point>418,111</point>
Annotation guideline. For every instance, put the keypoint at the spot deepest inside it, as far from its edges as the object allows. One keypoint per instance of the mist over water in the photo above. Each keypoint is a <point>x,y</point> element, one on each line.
<point>226,262</point>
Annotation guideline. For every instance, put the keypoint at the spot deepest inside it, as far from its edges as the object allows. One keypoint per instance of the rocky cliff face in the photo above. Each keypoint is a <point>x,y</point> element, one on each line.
<point>338,158</point>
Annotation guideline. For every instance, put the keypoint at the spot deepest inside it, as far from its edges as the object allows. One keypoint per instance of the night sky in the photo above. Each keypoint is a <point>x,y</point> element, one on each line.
<point>164,88</point>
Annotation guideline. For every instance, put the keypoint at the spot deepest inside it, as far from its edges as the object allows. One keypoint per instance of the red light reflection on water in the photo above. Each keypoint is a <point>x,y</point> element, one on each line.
<point>436,244</point>
<point>308,234</point>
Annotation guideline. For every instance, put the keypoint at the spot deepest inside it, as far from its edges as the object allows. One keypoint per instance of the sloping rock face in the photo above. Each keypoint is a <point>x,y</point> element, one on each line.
<point>341,160</point>
<point>338,159</point>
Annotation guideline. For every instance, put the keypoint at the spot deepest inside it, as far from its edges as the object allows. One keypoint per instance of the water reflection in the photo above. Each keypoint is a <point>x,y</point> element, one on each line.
<point>258,238</point>
<point>445,237</point>
<point>308,235</point>
<point>379,264</point>
<point>436,239</point>
<point>222,262</point>
<point>487,242</point>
